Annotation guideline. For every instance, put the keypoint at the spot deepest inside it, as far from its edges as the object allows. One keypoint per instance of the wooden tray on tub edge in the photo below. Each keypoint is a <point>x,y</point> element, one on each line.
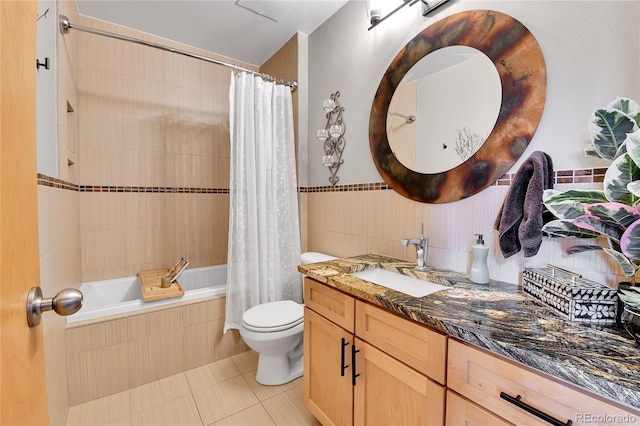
<point>151,288</point>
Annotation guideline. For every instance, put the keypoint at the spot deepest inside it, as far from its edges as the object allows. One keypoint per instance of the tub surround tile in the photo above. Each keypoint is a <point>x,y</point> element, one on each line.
<point>501,318</point>
<point>200,346</point>
<point>236,344</point>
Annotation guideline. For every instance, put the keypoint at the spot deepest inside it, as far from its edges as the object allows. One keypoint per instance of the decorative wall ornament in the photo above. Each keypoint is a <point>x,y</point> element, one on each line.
<point>333,136</point>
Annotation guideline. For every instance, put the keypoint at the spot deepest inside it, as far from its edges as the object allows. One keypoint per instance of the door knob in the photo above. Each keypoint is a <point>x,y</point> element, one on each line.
<point>68,301</point>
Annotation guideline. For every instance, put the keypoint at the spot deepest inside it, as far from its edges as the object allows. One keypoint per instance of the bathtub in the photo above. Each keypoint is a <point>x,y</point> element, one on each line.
<point>124,295</point>
<point>113,343</point>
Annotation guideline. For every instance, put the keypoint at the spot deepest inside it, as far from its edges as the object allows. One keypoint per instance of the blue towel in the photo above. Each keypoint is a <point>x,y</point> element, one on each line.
<point>519,222</point>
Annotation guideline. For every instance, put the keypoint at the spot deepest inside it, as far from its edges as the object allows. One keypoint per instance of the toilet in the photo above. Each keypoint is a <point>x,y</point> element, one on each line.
<point>274,330</point>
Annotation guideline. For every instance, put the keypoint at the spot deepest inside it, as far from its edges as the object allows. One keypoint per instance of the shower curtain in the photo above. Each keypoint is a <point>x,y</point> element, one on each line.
<point>264,234</point>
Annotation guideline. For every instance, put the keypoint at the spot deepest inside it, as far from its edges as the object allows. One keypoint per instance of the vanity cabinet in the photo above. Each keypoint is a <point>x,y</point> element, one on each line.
<point>512,391</point>
<point>364,365</point>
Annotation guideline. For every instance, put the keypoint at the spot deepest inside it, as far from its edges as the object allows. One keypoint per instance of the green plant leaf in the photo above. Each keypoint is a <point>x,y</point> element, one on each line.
<point>566,228</point>
<point>594,224</point>
<point>630,241</point>
<point>633,146</point>
<point>608,128</point>
<point>620,173</point>
<point>634,188</point>
<point>570,204</point>
<point>628,268</point>
<point>582,249</point>
<point>616,214</point>
<point>627,106</point>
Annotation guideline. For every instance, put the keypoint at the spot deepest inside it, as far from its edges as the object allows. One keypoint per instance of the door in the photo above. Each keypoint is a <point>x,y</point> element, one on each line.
<point>23,398</point>
<point>327,370</point>
<point>388,392</point>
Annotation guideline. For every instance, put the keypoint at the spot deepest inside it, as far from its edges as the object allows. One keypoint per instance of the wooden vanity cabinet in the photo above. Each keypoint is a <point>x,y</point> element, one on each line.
<point>362,364</point>
<point>490,381</point>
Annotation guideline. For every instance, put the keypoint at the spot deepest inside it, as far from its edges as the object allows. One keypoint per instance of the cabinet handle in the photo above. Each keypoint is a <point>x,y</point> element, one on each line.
<point>517,401</point>
<point>354,351</point>
<point>343,356</point>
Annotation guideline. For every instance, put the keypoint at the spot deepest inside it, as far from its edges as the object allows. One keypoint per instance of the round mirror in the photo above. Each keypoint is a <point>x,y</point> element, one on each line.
<point>515,56</point>
<point>444,109</point>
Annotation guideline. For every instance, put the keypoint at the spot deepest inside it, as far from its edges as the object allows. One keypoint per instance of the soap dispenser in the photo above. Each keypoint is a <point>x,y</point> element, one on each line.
<point>479,271</point>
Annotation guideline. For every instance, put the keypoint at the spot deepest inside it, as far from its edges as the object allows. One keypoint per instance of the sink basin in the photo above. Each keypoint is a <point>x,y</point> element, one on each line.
<point>398,282</point>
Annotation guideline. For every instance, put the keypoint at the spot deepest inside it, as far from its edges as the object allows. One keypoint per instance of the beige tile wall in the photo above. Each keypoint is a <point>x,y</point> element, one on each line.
<point>125,233</point>
<point>107,357</point>
<point>150,118</point>
<point>357,222</point>
<point>59,231</point>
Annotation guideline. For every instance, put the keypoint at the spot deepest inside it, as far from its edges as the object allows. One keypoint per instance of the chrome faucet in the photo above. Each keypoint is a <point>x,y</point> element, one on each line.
<point>422,246</point>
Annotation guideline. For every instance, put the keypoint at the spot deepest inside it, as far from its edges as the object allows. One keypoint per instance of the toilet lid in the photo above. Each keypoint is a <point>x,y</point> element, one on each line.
<point>273,316</point>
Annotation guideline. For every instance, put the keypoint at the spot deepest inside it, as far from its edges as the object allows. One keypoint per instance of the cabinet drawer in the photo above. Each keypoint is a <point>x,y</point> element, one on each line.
<point>482,377</point>
<point>415,345</point>
<point>330,303</point>
<point>461,411</point>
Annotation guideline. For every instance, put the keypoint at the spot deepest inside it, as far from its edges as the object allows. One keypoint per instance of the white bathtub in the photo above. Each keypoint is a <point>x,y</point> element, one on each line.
<point>123,295</point>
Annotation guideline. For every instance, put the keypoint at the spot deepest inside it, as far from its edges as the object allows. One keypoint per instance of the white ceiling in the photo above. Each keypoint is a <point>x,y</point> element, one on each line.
<point>219,26</point>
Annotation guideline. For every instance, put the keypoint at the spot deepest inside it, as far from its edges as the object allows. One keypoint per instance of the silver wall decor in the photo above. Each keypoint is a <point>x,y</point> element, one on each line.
<point>333,136</point>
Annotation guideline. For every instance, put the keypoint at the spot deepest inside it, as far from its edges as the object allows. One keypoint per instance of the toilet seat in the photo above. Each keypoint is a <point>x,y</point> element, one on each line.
<point>273,316</point>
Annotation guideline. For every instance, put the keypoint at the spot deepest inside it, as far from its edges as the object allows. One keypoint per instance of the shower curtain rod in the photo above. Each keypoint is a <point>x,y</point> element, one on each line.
<point>65,26</point>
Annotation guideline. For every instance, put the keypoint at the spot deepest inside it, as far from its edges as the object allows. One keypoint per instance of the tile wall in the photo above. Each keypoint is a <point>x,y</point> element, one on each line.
<point>367,218</point>
<point>154,155</point>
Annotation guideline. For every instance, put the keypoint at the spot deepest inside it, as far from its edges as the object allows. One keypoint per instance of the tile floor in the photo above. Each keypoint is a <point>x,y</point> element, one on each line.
<point>222,393</point>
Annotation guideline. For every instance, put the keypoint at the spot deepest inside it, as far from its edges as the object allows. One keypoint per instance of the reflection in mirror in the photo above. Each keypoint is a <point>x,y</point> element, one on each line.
<point>444,109</point>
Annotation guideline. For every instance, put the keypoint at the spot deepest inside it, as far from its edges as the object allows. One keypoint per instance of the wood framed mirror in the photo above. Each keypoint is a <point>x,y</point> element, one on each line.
<point>518,59</point>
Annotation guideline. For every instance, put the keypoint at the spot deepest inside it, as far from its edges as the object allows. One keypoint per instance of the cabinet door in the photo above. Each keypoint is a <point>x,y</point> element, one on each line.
<point>387,392</point>
<point>461,411</point>
<point>327,392</point>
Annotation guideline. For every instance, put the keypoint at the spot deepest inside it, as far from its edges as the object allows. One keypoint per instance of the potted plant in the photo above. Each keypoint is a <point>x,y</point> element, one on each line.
<point>614,211</point>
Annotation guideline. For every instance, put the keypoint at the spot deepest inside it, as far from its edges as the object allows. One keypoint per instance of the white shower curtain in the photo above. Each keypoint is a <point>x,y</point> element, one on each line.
<point>264,233</point>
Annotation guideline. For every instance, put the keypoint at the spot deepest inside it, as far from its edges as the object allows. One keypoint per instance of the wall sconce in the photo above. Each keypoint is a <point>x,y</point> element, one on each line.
<point>333,136</point>
<point>379,10</point>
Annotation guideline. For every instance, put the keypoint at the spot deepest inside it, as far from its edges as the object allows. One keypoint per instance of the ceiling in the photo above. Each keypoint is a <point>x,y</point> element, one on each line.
<point>225,27</point>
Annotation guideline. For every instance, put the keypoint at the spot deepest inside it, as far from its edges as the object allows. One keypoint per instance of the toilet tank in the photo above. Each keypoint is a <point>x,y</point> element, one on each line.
<point>313,257</point>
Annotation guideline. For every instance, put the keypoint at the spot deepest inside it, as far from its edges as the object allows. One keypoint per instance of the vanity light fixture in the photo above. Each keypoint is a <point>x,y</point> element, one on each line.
<point>379,10</point>
<point>333,136</point>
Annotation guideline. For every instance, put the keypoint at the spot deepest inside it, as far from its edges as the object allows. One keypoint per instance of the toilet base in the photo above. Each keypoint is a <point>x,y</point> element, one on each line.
<point>278,369</point>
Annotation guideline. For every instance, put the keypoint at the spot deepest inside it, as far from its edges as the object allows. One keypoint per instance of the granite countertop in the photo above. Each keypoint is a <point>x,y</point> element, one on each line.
<point>501,318</point>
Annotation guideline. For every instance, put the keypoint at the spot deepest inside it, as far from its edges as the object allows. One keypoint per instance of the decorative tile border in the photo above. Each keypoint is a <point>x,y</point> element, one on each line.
<point>377,186</point>
<point>57,183</point>
<point>153,189</point>
<point>560,177</point>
